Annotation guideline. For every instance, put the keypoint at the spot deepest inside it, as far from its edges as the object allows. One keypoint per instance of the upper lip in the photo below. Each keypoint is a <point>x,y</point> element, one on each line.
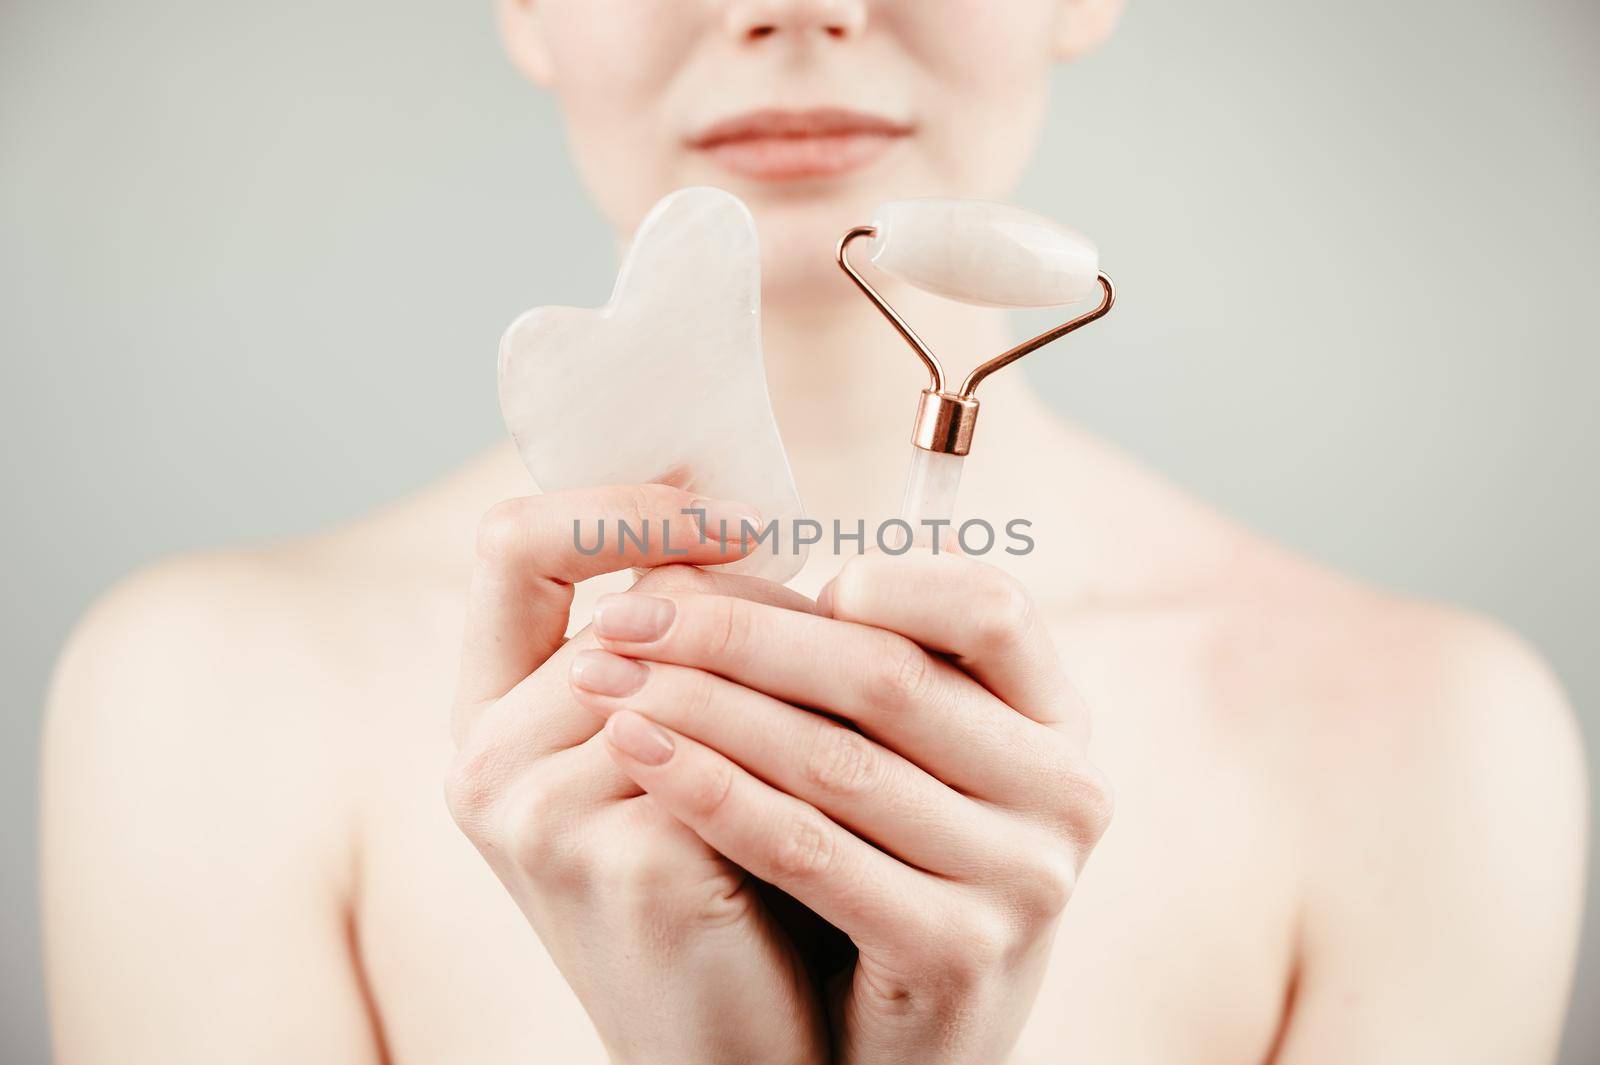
<point>795,125</point>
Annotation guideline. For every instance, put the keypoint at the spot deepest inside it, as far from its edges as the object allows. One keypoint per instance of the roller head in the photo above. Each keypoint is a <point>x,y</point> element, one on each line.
<point>990,254</point>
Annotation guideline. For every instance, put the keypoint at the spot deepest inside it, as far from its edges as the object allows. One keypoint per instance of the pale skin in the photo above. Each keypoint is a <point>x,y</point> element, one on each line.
<point>1346,827</point>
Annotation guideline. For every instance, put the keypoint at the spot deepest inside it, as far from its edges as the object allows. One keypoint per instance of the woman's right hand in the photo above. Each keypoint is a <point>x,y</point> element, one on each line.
<point>666,943</point>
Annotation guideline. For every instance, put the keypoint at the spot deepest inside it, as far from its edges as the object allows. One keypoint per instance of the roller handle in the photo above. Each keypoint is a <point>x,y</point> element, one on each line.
<point>932,482</point>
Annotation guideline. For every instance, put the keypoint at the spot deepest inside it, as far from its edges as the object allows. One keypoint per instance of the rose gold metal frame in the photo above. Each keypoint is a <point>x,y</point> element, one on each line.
<point>945,419</point>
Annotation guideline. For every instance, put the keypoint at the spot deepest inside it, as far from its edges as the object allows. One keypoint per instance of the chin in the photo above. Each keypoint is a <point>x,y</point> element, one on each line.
<point>798,238</point>
<point>800,225</point>
<point>791,281</point>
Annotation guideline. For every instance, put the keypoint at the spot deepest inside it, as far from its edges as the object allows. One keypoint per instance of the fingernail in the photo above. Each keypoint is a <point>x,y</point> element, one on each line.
<point>639,738</point>
<point>632,617</point>
<point>608,674</point>
<point>725,521</point>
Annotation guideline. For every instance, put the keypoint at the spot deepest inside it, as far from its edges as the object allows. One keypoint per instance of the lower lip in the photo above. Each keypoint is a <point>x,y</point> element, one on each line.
<point>795,158</point>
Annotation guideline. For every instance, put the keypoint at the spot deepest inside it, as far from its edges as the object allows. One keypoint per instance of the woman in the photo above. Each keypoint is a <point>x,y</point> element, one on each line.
<point>1349,828</point>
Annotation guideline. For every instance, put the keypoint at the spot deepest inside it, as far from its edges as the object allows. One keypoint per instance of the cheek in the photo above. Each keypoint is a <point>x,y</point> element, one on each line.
<point>617,49</point>
<point>614,62</point>
<point>987,83</point>
<point>967,43</point>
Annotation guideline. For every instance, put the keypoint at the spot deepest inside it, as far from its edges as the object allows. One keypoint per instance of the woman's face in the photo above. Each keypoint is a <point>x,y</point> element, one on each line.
<point>811,111</point>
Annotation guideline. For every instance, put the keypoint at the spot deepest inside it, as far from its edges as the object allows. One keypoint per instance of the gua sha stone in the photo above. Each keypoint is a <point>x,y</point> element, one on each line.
<point>665,383</point>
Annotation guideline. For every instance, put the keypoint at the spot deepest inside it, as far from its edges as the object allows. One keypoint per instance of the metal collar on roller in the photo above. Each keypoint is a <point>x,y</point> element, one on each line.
<point>945,419</point>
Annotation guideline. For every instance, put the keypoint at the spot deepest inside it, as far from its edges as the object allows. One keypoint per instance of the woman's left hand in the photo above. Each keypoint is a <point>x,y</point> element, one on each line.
<point>943,833</point>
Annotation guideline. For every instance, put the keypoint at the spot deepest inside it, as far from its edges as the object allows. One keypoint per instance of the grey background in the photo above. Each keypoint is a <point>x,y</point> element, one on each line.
<point>1359,246</point>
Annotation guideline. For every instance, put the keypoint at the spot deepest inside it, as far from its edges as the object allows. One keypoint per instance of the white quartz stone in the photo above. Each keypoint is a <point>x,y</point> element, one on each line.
<point>666,381</point>
<point>932,481</point>
<point>991,254</point>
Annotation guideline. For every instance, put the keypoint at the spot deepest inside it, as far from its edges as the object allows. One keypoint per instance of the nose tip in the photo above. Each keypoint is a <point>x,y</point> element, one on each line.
<point>755,20</point>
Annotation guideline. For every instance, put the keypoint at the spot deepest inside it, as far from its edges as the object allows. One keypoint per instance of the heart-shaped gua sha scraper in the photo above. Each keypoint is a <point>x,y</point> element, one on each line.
<point>665,382</point>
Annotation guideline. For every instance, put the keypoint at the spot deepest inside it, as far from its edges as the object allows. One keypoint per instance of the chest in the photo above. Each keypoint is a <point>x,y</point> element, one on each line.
<point>1176,946</point>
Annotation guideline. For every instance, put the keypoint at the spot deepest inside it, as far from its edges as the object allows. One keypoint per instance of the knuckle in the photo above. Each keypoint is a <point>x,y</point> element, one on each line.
<point>728,628</point>
<point>708,793</point>
<point>501,531</point>
<point>648,505</point>
<point>805,849</point>
<point>539,836</point>
<point>674,578</point>
<point>638,505</point>
<point>841,763</point>
<point>1003,611</point>
<point>990,942</point>
<point>1047,882</point>
<point>1083,800</point>
<point>1097,800</point>
<point>852,588</point>
<point>473,785</point>
<point>699,691</point>
<point>964,951</point>
<point>898,674</point>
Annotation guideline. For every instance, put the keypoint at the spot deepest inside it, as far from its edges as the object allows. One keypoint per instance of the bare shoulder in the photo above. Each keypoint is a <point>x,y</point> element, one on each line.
<point>241,687</point>
<point>291,627</point>
<point>193,630</point>
<point>198,681</point>
<point>1434,775</point>
<point>207,745</point>
<point>1354,683</point>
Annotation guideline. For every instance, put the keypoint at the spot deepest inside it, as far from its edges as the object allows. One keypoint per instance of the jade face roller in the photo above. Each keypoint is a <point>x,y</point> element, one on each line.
<point>988,254</point>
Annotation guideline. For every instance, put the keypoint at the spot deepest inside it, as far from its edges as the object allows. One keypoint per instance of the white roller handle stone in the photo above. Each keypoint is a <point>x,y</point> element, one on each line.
<point>932,482</point>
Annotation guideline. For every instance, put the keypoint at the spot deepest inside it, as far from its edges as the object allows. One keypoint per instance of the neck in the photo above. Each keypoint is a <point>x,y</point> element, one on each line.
<point>844,388</point>
<point>845,385</point>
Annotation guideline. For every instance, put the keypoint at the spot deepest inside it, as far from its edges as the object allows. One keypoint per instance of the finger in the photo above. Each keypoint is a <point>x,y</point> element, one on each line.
<point>540,716</point>
<point>517,811</point>
<point>532,550</point>
<point>784,841</point>
<point>894,691</point>
<point>863,786</point>
<point>967,609</point>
